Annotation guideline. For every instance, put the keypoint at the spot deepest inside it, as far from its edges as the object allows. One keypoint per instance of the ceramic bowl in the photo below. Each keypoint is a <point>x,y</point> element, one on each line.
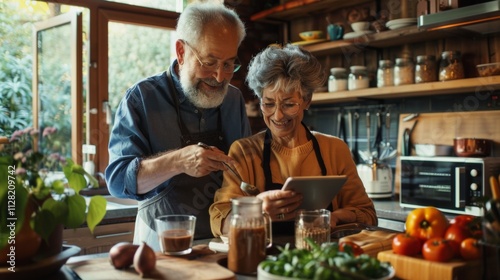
<point>311,35</point>
<point>360,26</point>
<point>489,69</point>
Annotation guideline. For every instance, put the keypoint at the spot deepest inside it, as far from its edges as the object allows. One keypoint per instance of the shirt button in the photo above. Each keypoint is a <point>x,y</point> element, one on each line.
<point>196,111</point>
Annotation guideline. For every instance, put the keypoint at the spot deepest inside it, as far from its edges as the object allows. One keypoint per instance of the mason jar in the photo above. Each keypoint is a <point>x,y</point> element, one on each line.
<point>404,71</point>
<point>385,73</point>
<point>425,69</point>
<point>451,67</point>
<point>358,78</point>
<point>337,80</point>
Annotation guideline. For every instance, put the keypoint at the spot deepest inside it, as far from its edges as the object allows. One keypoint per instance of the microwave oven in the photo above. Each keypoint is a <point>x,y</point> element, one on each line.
<point>451,184</point>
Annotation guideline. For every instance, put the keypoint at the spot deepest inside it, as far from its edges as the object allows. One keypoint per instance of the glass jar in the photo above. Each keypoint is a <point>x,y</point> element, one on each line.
<point>337,80</point>
<point>451,67</point>
<point>404,71</point>
<point>249,235</point>
<point>425,69</point>
<point>358,78</point>
<point>385,73</point>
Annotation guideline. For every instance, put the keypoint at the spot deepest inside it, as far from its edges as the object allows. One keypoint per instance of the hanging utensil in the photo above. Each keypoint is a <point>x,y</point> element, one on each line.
<point>349,126</point>
<point>388,152</point>
<point>246,187</point>
<point>378,136</point>
<point>355,152</point>
<point>367,155</point>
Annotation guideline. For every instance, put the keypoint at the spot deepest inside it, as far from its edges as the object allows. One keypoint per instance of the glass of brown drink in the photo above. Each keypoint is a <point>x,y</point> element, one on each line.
<point>175,233</point>
<point>314,224</point>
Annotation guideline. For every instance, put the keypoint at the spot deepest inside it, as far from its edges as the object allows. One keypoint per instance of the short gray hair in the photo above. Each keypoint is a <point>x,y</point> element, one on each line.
<point>289,68</point>
<point>197,16</point>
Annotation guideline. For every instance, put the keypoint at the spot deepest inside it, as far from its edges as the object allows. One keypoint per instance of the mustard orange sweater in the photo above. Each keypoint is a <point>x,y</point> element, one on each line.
<point>286,162</point>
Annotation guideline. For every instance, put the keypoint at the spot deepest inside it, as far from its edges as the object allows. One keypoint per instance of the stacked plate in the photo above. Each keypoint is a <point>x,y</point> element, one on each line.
<point>400,23</point>
<point>351,35</point>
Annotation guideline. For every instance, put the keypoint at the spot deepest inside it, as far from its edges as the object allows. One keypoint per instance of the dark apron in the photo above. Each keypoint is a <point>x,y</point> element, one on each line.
<point>284,228</point>
<point>184,194</point>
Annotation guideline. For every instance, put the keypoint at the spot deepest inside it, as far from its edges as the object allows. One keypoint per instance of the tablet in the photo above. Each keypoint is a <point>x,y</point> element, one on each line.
<point>318,191</point>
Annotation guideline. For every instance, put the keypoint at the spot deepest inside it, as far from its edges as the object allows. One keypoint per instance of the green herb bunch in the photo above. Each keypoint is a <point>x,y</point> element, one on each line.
<point>324,262</point>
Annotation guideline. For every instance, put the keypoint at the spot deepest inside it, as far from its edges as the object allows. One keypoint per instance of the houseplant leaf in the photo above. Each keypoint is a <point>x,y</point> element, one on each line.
<point>76,211</point>
<point>97,210</point>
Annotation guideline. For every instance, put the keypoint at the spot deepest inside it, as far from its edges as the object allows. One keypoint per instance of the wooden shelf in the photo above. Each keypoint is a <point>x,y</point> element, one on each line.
<point>389,38</point>
<point>425,89</point>
<point>301,8</point>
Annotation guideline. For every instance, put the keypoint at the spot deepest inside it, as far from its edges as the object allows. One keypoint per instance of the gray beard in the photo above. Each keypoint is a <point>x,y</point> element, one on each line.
<point>201,99</point>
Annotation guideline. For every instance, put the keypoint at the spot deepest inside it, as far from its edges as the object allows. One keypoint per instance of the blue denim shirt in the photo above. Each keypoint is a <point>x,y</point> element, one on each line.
<point>146,124</point>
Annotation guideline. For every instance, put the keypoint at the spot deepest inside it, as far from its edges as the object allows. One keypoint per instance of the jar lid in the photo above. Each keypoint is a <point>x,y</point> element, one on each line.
<point>357,67</point>
<point>403,59</point>
<point>337,70</point>
<point>450,53</point>
<point>385,62</point>
<point>425,57</point>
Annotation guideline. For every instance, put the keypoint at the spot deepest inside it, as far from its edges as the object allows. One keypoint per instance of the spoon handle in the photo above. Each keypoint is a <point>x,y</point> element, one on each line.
<point>205,146</point>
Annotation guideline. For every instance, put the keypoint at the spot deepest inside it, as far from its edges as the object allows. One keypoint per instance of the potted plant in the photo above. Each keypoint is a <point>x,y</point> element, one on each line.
<point>38,201</point>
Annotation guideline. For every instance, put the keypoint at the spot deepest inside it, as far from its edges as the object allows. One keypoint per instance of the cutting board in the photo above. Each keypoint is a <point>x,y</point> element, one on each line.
<point>419,269</point>
<point>201,264</point>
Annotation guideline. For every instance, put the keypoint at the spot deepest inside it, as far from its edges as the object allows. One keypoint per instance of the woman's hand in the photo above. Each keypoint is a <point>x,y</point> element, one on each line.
<point>280,205</point>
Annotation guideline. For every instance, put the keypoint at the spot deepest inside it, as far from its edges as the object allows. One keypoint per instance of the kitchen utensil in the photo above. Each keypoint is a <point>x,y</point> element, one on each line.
<point>355,152</point>
<point>246,187</point>
<point>388,151</point>
<point>378,136</point>
<point>366,156</point>
<point>377,178</point>
<point>470,147</point>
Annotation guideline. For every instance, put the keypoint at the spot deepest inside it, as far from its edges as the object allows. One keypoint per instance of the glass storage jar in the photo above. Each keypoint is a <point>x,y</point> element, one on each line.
<point>451,67</point>
<point>358,78</point>
<point>425,69</point>
<point>337,80</point>
<point>404,71</point>
<point>385,73</point>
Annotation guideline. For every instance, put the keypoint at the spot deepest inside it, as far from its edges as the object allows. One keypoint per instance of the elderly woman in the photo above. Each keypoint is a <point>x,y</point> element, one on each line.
<point>284,79</point>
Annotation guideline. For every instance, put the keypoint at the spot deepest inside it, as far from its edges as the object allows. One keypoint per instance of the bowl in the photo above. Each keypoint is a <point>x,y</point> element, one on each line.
<point>360,26</point>
<point>470,147</point>
<point>311,35</point>
<point>488,69</point>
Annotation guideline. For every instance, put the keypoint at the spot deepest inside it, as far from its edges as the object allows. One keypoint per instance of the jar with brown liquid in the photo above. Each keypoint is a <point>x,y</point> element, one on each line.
<point>249,235</point>
<point>425,69</point>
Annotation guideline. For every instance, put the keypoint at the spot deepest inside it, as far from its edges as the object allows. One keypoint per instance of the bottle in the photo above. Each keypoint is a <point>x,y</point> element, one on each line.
<point>249,235</point>
<point>451,67</point>
<point>337,80</point>
<point>425,69</point>
<point>358,78</point>
<point>385,73</point>
<point>404,71</point>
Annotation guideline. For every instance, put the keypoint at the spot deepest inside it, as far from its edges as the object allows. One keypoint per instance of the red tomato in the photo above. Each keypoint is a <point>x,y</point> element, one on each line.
<point>470,249</point>
<point>405,244</point>
<point>351,247</point>
<point>471,223</point>
<point>456,234</point>
<point>426,223</point>
<point>437,249</point>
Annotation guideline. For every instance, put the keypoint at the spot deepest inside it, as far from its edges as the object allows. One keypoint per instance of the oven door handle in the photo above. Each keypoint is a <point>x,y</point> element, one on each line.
<point>459,197</point>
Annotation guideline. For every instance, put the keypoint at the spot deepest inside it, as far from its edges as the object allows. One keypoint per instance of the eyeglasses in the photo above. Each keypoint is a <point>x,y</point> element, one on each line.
<point>288,108</point>
<point>213,66</point>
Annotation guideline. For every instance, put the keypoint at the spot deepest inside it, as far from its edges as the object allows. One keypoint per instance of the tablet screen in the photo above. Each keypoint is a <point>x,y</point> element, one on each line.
<point>318,191</point>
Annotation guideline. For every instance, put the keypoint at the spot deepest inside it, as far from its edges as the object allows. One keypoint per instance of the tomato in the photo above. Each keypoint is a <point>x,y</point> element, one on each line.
<point>456,234</point>
<point>471,223</point>
<point>405,244</point>
<point>470,249</point>
<point>351,247</point>
<point>426,223</point>
<point>437,249</point>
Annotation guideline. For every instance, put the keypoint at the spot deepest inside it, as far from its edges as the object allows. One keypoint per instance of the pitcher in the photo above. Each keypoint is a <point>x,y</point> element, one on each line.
<point>249,235</point>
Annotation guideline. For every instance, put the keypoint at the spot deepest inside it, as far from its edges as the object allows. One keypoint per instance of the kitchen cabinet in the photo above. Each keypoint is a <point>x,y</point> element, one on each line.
<point>103,238</point>
<point>293,11</point>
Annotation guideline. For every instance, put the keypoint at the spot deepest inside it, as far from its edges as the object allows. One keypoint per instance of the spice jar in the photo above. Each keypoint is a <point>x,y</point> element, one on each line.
<point>425,69</point>
<point>451,67</point>
<point>249,235</point>
<point>358,78</point>
<point>337,80</point>
<point>385,73</point>
<point>404,71</point>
